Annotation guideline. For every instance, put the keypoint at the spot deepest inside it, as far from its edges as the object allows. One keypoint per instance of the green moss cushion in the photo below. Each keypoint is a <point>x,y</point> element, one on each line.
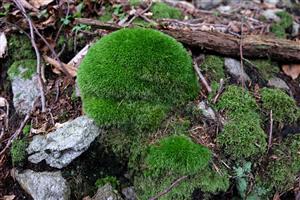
<point>134,77</point>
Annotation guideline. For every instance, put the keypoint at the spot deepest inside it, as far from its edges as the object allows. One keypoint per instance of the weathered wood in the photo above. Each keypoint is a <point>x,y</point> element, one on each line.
<point>257,46</point>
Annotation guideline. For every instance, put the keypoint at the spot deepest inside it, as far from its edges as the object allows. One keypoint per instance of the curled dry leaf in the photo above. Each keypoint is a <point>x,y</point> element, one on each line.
<point>9,197</point>
<point>70,69</point>
<point>38,3</point>
<point>292,70</point>
<point>3,44</point>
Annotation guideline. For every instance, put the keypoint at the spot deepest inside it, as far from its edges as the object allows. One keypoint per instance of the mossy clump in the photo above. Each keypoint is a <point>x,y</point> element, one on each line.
<point>242,136</point>
<point>113,181</point>
<point>20,48</point>
<point>279,28</point>
<point>266,68</point>
<point>214,67</point>
<point>107,14</point>
<point>18,151</point>
<point>22,68</point>
<point>133,77</point>
<point>172,158</point>
<point>284,108</point>
<point>282,172</point>
<point>163,10</point>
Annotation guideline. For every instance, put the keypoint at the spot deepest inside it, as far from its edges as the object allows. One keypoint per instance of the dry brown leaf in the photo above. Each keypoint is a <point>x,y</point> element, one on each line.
<point>292,70</point>
<point>27,5</point>
<point>70,69</point>
<point>38,3</point>
<point>3,44</point>
<point>276,196</point>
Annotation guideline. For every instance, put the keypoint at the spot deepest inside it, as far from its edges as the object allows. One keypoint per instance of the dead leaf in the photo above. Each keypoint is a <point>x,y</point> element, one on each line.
<point>3,102</point>
<point>38,3</point>
<point>9,197</point>
<point>27,5</point>
<point>276,196</point>
<point>3,44</point>
<point>70,69</point>
<point>292,70</point>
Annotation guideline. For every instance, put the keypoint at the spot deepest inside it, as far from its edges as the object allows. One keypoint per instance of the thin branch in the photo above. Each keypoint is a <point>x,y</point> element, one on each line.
<point>271,130</point>
<point>38,56</point>
<point>203,80</point>
<point>139,14</point>
<point>175,183</point>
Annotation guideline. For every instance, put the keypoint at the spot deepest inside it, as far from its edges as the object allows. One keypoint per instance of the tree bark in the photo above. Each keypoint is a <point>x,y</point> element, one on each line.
<point>255,46</point>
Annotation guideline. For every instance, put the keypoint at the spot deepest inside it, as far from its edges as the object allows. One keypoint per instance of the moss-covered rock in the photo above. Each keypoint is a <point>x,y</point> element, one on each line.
<point>266,68</point>
<point>279,28</point>
<point>283,106</point>
<point>18,151</point>
<point>174,157</point>
<point>133,77</point>
<point>242,136</point>
<point>24,69</point>
<point>20,48</point>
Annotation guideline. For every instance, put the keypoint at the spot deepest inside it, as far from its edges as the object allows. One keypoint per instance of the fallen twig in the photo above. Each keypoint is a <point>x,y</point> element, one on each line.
<point>136,14</point>
<point>270,131</point>
<point>203,80</point>
<point>221,88</point>
<point>175,183</point>
<point>38,56</point>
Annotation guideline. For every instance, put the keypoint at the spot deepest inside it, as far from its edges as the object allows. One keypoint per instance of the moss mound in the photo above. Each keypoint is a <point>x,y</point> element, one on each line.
<point>213,66</point>
<point>162,10</point>
<point>279,28</point>
<point>22,68</point>
<point>242,137</point>
<point>174,157</point>
<point>283,106</point>
<point>266,68</point>
<point>133,77</point>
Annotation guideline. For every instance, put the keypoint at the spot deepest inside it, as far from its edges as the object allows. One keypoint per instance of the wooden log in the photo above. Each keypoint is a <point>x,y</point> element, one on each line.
<point>255,46</point>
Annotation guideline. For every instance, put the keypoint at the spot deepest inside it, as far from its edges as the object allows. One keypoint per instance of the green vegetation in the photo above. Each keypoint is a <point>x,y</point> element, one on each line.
<point>107,14</point>
<point>162,10</point>
<point>133,77</point>
<point>19,48</point>
<point>266,68</point>
<point>283,106</point>
<point>241,177</point>
<point>242,136</point>
<point>279,28</point>
<point>281,172</point>
<point>172,158</point>
<point>22,68</point>
<point>18,151</point>
<point>213,66</point>
<point>26,130</point>
<point>113,181</point>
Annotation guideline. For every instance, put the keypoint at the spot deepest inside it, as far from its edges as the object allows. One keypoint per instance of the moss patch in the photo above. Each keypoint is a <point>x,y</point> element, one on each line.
<point>242,137</point>
<point>214,67</point>
<point>279,28</point>
<point>133,77</point>
<point>283,106</point>
<point>20,48</point>
<point>22,68</point>
<point>162,10</point>
<point>18,151</point>
<point>266,68</point>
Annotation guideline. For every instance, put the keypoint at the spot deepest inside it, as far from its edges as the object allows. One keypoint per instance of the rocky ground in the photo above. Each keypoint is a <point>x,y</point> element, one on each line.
<point>246,113</point>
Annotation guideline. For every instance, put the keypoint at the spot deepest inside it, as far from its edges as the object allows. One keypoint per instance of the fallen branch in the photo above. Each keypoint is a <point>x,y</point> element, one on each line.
<point>175,183</point>
<point>203,80</point>
<point>257,46</point>
<point>270,131</point>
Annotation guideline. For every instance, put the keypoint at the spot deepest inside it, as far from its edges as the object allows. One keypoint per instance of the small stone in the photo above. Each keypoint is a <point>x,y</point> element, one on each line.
<point>295,30</point>
<point>61,147</point>
<point>207,4</point>
<point>234,68</point>
<point>278,83</point>
<point>274,2</point>
<point>270,14</point>
<point>224,9</point>
<point>106,193</point>
<point>44,185</point>
<point>207,111</point>
<point>129,193</point>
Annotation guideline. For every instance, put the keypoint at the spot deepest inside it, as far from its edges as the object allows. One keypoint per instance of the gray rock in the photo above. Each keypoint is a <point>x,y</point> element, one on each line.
<point>206,4</point>
<point>296,28</point>
<point>225,9</point>
<point>60,147</point>
<point>25,91</point>
<point>44,185</point>
<point>207,111</point>
<point>129,193</point>
<point>106,193</point>
<point>278,83</point>
<point>270,14</point>
<point>234,68</point>
<point>274,2</point>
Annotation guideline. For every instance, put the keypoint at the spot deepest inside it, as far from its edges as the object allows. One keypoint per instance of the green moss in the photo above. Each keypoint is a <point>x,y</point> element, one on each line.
<point>162,10</point>
<point>20,48</point>
<point>174,157</point>
<point>279,28</point>
<point>242,136</point>
<point>266,68</point>
<point>113,181</point>
<point>18,151</point>
<point>281,172</point>
<point>213,66</point>
<point>107,15</point>
<point>133,77</point>
<point>22,68</point>
<point>284,108</point>
<point>178,154</point>
<point>26,130</point>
